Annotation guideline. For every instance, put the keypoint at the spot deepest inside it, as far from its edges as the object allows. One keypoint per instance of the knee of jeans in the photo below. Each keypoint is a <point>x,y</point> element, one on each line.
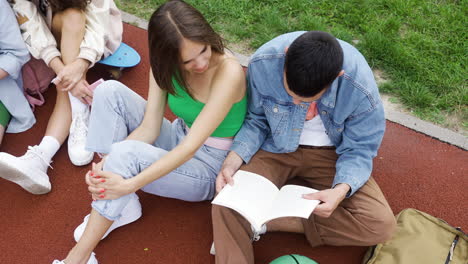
<point>125,157</point>
<point>122,151</point>
<point>107,90</point>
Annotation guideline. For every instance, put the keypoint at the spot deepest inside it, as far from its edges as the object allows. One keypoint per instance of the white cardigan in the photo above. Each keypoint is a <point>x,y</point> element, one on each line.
<point>103,32</point>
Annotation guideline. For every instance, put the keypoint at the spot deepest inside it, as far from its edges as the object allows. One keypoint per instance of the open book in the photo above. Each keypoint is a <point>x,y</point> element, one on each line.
<point>259,200</point>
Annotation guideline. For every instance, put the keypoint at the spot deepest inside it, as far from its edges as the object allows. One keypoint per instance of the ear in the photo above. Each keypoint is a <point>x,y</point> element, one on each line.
<point>286,49</point>
<point>340,74</point>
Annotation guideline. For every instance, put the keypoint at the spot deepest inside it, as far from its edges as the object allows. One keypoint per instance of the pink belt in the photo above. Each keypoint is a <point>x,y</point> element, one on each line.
<point>217,142</point>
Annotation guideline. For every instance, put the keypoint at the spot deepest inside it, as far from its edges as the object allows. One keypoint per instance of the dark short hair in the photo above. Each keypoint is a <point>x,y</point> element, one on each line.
<point>312,62</point>
<point>61,5</point>
<point>171,22</point>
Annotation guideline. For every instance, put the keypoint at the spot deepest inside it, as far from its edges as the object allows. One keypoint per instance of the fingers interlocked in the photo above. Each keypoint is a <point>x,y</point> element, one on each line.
<point>96,183</point>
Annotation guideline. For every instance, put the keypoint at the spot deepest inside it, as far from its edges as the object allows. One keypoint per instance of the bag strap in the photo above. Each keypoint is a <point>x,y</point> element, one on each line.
<point>457,231</point>
<point>32,100</point>
<point>30,73</point>
<point>452,247</point>
<point>35,101</point>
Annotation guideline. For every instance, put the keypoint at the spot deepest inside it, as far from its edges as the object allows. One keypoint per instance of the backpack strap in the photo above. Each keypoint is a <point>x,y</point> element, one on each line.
<point>28,71</point>
<point>35,101</point>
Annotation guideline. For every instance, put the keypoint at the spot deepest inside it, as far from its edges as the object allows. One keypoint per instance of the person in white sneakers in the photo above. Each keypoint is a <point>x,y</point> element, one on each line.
<point>69,36</point>
<point>203,84</point>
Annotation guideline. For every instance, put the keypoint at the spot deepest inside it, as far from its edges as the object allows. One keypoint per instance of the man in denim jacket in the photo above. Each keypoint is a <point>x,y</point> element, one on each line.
<point>314,114</point>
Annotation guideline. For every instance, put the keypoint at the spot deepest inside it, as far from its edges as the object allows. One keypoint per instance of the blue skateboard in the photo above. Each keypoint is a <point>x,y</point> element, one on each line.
<point>124,57</point>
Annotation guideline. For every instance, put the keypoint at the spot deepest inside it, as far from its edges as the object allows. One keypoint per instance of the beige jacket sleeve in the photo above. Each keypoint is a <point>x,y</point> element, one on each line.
<point>103,33</point>
<point>37,36</point>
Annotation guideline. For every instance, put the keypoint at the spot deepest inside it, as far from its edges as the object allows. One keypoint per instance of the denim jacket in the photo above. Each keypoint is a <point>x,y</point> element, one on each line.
<point>351,111</point>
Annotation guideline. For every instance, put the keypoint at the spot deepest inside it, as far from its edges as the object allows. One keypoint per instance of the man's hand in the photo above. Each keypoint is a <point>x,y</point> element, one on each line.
<point>330,199</point>
<point>71,74</point>
<point>231,164</point>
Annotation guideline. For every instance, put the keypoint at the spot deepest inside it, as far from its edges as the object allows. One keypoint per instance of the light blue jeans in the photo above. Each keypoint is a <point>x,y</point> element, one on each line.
<point>116,112</point>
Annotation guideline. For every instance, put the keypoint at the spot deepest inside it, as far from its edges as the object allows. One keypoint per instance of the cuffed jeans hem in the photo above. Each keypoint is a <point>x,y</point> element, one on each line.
<point>311,233</point>
<point>101,211</point>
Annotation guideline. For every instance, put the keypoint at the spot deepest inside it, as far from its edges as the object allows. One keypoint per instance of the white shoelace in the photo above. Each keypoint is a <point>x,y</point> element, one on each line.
<point>80,129</point>
<point>33,153</point>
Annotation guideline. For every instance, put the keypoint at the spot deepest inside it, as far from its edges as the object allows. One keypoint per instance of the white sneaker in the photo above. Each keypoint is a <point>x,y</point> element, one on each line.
<point>92,260</point>
<point>256,237</point>
<point>28,171</point>
<point>130,213</point>
<point>77,139</point>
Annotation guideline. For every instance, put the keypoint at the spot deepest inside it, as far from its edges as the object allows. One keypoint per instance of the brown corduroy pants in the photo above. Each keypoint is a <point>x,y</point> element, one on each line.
<point>364,219</point>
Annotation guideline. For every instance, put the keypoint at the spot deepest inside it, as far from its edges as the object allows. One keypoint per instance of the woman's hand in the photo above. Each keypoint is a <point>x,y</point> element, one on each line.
<point>105,185</point>
<point>82,92</point>
<point>71,74</point>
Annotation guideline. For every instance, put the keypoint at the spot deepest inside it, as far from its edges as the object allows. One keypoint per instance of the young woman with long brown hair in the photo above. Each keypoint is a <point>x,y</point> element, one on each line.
<point>203,85</point>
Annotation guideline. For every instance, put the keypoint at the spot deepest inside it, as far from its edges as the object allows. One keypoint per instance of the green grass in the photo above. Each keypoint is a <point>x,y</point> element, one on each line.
<point>421,45</point>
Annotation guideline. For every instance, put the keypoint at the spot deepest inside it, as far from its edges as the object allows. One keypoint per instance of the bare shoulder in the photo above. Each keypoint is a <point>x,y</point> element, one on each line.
<point>230,65</point>
<point>230,77</point>
<point>230,70</point>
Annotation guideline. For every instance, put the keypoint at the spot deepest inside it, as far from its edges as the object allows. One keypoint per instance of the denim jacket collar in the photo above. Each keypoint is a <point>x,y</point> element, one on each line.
<point>329,97</point>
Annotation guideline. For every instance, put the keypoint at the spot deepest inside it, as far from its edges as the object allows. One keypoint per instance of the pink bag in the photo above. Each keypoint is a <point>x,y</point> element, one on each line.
<point>36,79</point>
<point>91,87</point>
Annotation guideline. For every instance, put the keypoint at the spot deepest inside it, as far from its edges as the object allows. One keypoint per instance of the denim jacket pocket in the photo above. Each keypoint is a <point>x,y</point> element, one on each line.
<point>334,130</point>
<point>277,115</point>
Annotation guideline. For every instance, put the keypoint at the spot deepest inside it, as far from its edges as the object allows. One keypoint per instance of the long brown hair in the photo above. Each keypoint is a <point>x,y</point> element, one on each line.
<point>171,22</point>
<point>61,5</point>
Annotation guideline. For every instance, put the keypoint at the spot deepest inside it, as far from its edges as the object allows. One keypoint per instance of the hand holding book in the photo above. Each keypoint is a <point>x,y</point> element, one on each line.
<point>330,199</point>
<point>259,200</point>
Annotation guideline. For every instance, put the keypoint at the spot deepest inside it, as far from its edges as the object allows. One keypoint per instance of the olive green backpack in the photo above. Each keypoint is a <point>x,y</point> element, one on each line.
<point>421,239</point>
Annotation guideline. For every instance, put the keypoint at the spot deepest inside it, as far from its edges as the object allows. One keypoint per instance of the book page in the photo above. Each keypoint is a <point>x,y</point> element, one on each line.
<point>289,202</point>
<point>251,195</point>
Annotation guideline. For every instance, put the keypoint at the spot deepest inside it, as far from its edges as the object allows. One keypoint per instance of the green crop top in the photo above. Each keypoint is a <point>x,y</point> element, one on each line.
<point>187,108</point>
